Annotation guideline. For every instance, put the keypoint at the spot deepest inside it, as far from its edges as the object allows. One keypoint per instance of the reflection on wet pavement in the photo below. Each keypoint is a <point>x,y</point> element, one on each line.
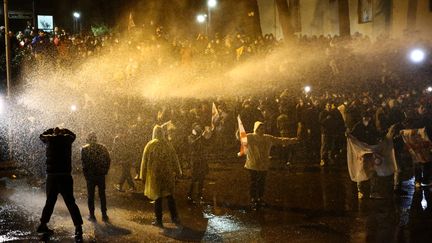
<point>305,204</point>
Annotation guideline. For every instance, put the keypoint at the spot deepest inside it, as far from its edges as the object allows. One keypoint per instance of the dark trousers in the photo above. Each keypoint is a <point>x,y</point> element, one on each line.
<point>171,206</point>
<point>92,183</point>
<point>424,172</point>
<point>62,184</point>
<point>198,185</point>
<point>328,147</point>
<point>257,184</point>
<point>126,175</point>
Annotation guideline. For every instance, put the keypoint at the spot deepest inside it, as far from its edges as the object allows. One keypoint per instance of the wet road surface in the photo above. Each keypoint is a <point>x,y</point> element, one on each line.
<point>305,204</point>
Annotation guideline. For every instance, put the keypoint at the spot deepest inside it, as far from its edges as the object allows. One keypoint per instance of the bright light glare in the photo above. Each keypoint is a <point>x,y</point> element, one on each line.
<point>73,107</point>
<point>429,89</point>
<point>211,3</point>
<point>307,89</point>
<point>201,18</point>
<point>76,15</point>
<point>417,55</point>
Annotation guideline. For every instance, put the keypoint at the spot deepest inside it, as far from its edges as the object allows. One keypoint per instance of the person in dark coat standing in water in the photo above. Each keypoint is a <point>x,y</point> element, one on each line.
<point>59,178</point>
<point>96,163</point>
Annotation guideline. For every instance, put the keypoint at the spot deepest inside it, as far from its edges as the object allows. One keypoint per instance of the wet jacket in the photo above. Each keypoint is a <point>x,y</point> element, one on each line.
<point>257,155</point>
<point>366,134</point>
<point>58,151</point>
<point>159,166</point>
<point>95,160</point>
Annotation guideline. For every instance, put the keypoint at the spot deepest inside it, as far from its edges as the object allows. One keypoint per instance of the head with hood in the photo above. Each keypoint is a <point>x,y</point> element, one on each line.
<point>259,128</point>
<point>158,133</point>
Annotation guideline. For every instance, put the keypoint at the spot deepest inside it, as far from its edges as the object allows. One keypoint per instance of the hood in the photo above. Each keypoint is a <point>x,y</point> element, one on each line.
<point>257,125</point>
<point>158,133</point>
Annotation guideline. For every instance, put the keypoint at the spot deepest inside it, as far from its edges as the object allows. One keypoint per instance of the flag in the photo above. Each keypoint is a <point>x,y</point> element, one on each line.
<point>131,23</point>
<point>215,115</point>
<point>364,160</point>
<point>243,138</point>
<point>418,144</point>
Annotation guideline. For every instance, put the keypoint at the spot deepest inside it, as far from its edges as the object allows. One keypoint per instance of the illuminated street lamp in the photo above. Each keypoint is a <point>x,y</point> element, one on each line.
<point>76,18</point>
<point>417,55</point>
<point>76,15</point>
<point>307,89</point>
<point>429,89</point>
<point>210,4</point>
<point>202,19</point>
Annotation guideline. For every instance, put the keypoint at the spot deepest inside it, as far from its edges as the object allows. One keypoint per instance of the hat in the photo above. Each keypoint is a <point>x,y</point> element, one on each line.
<point>257,125</point>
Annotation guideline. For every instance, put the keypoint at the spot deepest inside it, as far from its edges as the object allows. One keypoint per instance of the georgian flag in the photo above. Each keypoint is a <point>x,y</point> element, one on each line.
<point>243,138</point>
<point>419,145</point>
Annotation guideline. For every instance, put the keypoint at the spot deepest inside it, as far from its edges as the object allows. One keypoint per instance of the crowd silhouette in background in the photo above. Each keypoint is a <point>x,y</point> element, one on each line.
<point>354,77</point>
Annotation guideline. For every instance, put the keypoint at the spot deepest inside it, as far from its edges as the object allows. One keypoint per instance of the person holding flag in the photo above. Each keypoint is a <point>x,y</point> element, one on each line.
<point>257,147</point>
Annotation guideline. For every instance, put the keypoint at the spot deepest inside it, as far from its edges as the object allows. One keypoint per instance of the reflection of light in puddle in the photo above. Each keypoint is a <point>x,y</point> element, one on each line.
<point>424,202</point>
<point>224,224</point>
<point>13,235</point>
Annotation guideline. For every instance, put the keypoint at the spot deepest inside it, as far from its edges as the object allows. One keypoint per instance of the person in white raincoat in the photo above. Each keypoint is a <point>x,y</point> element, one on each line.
<point>258,162</point>
<point>159,167</point>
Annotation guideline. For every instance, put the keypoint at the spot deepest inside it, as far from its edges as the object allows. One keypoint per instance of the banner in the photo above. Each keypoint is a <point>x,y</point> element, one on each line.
<point>243,138</point>
<point>418,144</point>
<point>364,160</point>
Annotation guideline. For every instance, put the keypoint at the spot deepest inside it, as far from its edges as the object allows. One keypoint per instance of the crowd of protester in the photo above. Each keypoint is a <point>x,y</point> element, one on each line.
<point>391,91</point>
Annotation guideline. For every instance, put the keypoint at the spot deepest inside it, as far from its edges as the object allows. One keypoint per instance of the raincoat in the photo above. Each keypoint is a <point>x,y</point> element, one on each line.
<point>159,166</point>
<point>257,156</point>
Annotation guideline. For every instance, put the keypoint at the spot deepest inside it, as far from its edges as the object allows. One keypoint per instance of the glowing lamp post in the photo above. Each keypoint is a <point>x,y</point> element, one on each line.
<point>417,55</point>
<point>76,18</point>
<point>202,18</point>
<point>307,89</point>
<point>429,89</point>
<point>210,4</point>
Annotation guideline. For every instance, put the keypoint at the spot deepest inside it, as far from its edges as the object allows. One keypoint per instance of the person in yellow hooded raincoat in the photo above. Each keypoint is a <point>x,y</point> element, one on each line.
<point>159,167</point>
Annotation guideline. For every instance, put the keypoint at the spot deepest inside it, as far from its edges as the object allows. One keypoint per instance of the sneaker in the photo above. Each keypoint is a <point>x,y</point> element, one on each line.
<point>157,223</point>
<point>118,187</point>
<point>426,184</point>
<point>92,218</point>
<point>360,195</point>
<point>105,218</point>
<point>43,229</point>
<point>375,195</point>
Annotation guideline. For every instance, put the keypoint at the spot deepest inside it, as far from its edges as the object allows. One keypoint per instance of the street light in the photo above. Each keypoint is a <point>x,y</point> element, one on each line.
<point>307,89</point>
<point>210,4</point>
<point>417,55</point>
<point>76,16</point>
<point>201,18</point>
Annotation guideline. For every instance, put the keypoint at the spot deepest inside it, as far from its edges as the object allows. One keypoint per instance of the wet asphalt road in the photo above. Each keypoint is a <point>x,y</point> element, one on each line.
<point>305,204</point>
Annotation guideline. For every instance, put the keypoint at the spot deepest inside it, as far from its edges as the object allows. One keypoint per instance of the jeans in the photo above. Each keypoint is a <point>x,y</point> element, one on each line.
<point>257,184</point>
<point>60,184</point>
